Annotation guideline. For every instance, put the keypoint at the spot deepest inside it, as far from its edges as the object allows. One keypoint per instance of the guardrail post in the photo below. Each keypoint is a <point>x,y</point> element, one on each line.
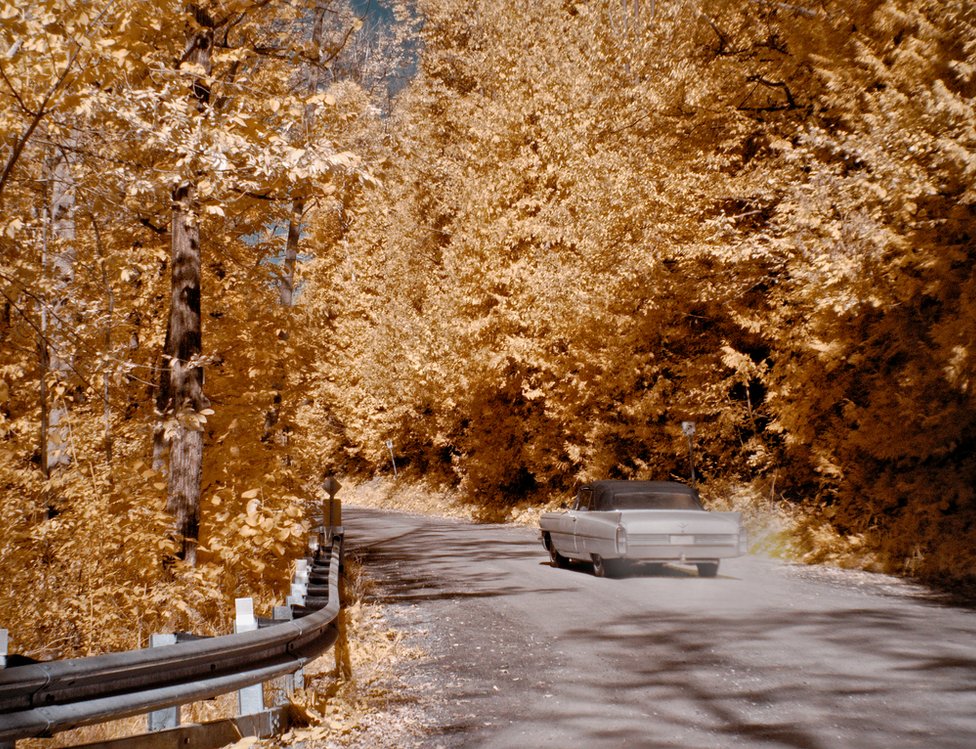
<point>301,574</point>
<point>4,650</point>
<point>285,685</point>
<point>168,717</point>
<point>299,584</point>
<point>282,613</point>
<point>250,700</point>
<point>335,516</point>
<point>343,661</point>
<point>301,581</point>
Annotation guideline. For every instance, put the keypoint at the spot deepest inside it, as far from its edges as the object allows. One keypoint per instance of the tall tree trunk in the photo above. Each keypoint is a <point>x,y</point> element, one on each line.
<point>164,405</point>
<point>107,342</point>
<point>287,286</point>
<point>286,290</point>
<point>181,399</point>
<point>59,266</point>
<point>184,383</point>
<point>44,359</point>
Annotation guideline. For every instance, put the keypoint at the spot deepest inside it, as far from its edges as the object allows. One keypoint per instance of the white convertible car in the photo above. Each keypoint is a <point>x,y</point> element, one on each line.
<point>614,524</point>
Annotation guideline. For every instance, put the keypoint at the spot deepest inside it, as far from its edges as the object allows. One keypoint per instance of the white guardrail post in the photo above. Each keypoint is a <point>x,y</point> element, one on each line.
<point>168,717</point>
<point>250,700</point>
<point>300,586</point>
<point>4,650</point>
<point>290,682</point>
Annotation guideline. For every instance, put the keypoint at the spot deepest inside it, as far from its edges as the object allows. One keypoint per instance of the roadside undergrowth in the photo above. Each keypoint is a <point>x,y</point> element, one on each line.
<point>354,695</point>
<point>406,495</point>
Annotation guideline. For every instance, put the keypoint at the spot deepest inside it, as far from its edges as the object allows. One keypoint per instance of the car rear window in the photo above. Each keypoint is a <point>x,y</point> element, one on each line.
<point>649,501</point>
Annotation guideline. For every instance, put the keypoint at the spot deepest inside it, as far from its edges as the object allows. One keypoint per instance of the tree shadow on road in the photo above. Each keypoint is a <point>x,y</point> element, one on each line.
<point>861,669</point>
<point>803,679</point>
<point>448,562</point>
<point>800,680</point>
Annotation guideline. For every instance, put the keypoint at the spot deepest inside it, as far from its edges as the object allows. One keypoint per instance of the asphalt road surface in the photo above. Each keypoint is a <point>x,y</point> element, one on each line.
<point>521,654</point>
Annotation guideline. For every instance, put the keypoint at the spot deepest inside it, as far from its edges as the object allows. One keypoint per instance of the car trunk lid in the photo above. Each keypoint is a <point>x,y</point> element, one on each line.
<point>680,522</point>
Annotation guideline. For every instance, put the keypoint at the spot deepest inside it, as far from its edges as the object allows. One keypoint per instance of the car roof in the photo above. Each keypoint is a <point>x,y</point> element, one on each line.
<point>604,491</point>
<point>611,485</point>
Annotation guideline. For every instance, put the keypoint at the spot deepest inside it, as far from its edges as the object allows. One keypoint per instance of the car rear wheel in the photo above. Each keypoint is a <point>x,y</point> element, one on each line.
<point>707,569</point>
<point>607,567</point>
<point>558,560</point>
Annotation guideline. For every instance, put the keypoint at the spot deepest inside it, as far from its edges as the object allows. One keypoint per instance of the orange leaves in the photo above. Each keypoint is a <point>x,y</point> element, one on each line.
<point>595,225</point>
<point>257,528</point>
<point>94,103</point>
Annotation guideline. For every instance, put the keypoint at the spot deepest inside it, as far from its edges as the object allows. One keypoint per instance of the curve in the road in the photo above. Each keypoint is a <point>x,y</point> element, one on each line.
<point>765,655</point>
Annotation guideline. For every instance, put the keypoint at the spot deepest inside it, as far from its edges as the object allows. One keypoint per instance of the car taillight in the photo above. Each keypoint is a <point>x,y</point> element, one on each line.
<point>621,540</point>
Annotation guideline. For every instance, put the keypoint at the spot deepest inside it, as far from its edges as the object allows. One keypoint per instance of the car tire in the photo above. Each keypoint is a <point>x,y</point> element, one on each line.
<point>707,569</point>
<point>607,567</point>
<point>558,560</point>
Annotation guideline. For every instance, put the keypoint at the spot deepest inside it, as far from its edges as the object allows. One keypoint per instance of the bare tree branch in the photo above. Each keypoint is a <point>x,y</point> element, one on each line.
<point>791,102</point>
<point>36,120</point>
<point>41,337</point>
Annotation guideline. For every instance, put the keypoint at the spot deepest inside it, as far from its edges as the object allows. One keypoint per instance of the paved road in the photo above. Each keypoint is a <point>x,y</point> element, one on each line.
<point>765,655</point>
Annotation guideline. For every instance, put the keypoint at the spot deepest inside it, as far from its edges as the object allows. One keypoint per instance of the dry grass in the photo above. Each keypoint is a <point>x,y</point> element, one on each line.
<point>406,496</point>
<point>353,694</point>
<point>779,529</point>
<point>768,523</point>
<point>421,498</point>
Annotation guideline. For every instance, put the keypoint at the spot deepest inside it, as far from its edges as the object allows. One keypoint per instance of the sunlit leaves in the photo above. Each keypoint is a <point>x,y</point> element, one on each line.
<point>104,87</point>
<point>603,219</point>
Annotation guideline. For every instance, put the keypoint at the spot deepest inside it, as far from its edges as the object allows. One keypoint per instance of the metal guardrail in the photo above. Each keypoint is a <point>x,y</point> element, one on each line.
<point>39,699</point>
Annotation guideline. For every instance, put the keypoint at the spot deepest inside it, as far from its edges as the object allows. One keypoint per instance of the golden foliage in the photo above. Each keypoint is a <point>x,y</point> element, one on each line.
<point>99,104</point>
<point>580,225</point>
<point>598,220</point>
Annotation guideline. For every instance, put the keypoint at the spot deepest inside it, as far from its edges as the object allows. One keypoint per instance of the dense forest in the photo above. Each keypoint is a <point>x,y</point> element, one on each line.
<point>599,220</point>
<point>239,252</point>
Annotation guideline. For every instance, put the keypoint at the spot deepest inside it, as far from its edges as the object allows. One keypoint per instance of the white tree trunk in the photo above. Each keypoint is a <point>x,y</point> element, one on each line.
<point>59,261</point>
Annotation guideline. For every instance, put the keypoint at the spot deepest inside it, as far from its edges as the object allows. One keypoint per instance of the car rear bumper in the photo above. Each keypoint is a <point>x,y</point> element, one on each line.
<point>675,553</point>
